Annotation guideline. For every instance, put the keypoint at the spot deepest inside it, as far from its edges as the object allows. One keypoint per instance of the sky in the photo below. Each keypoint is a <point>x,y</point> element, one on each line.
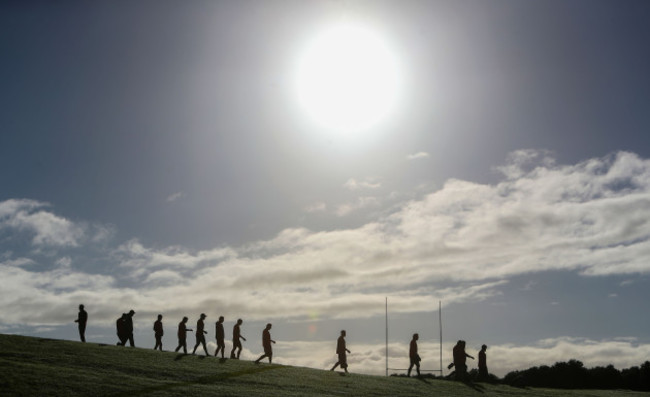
<point>160,156</point>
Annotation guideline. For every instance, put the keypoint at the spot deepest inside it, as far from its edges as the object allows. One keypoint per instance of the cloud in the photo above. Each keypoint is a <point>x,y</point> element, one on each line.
<point>459,243</point>
<point>140,259</point>
<point>418,155</point>
<point>45,297</point>
<point>360,203</point>
<point>175,197</point>
<point>501,359</point>
<point>368,183</point>
<point>46,228</point>
<point>316,207</point>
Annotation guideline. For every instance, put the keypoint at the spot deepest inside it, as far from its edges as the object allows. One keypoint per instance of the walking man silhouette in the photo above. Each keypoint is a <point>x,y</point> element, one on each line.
<point>200,334</point>
<point>128,329</point>
<point>120,324</point>
<point>460,359</point>
<point>482,364</point>
<point>342,351</point>
<point>413,355</point>
<point>236,336</point>
<point>82,319</point>
<point>266,343</point>
<point>182,335</point>
<point>218,331</point>
<point>158,332</point>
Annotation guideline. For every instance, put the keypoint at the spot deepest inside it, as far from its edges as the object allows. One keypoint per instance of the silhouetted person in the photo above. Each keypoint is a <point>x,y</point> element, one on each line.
<point>200,335</point>
<point>413,355</point>
<point>220,335</point>
<point>460,358</point>
<point>342,351</point>
<point>266,343</point>
<point>482,364</point>
<point>120,325</point>
<point>182,335</point>
<point>82,319</point>
<point>128,329</point>
<point>236,336</point>
<point>158,332</point>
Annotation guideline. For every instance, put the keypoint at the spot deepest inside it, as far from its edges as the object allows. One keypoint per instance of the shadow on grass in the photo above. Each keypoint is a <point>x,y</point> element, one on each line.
<point>421,379</point>
<point>179,357</point>
<point>475,386</point>
<point>222,360</point>
<point>204,380</point>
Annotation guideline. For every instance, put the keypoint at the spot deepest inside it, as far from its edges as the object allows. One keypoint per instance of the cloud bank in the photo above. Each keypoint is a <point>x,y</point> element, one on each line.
<point>458,243</point>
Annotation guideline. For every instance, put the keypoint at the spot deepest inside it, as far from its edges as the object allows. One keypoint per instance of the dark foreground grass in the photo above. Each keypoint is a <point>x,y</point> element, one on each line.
<point>45,367</point>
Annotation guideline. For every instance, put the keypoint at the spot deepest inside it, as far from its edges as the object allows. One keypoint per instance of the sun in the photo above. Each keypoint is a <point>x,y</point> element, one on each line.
<point>347,79</point>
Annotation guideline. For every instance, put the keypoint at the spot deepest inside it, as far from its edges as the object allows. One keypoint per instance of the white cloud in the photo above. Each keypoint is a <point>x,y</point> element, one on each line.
<point>459,243</point>
<point>316,207</point>
<point>368,183</point>
<point>501,359</point>
<point>418,155</point>
<point>360,203</point>
<point>46,228</point>
<point>175,197</point>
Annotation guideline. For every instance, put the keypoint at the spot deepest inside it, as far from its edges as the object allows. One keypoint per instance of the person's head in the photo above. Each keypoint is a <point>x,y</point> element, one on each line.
<point>462,343</point>
<point>159,317</point>
<point>239,321</point>
<point>221,319</point>
<point>131,313</point>
<point>484,347</point>
<point>81,307</point>
<point>416,336</point>
<point>203,316</point>
<point>342,332</point>
<point>268,326</point>
<point>185,319</point>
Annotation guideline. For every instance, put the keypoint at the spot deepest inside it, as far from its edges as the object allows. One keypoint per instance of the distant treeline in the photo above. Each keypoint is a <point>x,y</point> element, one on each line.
<point>573,375</point>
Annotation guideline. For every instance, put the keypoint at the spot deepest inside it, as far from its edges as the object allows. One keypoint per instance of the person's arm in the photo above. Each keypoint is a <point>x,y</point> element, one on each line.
<point>469,356</point>
<point>241,336</point>
<point>272,341</point>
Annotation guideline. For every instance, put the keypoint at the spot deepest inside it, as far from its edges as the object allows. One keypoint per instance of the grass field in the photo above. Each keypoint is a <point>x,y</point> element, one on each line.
<point>45,367</point>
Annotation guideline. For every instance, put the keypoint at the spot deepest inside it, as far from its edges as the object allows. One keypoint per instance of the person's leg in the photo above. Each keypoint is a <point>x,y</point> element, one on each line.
<point>131,340</point>
<point>205,347</point>
<point>417,367</point>
<point>335,365</point>
<point>82,332</point>
<point>408,373</point>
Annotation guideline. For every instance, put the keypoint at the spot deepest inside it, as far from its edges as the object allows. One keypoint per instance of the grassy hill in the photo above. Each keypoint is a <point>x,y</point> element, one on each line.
<point>45,367</point>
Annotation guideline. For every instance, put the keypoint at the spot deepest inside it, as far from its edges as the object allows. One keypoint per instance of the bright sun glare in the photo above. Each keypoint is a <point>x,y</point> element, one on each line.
<point>347,79</point>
